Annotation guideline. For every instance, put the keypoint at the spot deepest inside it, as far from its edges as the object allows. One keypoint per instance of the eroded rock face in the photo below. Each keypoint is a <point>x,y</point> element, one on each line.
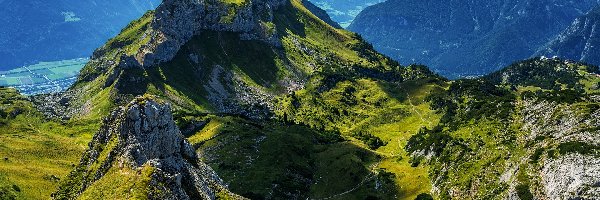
<point>573,176</point>
<point>562,122</point>
<point>177,21</point>
<point>143,134</point>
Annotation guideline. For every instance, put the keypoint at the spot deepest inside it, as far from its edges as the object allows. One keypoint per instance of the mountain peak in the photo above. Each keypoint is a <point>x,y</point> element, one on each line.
<point>228,56</point>
<point>176,21</point>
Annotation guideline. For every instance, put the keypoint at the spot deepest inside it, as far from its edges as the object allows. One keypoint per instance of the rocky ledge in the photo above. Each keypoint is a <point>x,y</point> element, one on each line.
<point>142,136</point>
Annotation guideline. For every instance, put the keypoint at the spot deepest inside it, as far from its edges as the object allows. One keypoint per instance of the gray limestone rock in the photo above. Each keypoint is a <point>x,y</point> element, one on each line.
<point>573,176</point>
<point>143,134</point>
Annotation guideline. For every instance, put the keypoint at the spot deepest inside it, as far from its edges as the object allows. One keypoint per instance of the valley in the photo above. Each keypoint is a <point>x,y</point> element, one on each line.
<point>45,77</point>
<point>268,99</point>
<point>343,12</point>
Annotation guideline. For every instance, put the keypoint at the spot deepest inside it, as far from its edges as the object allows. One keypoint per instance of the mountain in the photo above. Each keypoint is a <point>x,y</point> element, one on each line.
<point>579,41</point>
<point>515,133</point>
<point>343,12</point>
<point>223,66</point>
<point>264,49</point>
<point>34,31</point>
<point>321,14</point>
<point>282,105</point>
<point>460,38</point>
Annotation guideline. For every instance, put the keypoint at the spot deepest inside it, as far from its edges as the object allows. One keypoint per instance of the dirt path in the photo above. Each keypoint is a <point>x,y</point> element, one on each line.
<point>413,107</point>
<point>367,178</point>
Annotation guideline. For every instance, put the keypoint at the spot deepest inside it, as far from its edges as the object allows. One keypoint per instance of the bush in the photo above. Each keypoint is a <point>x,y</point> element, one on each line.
<point>329,137</point>
<point>577,147</point>
<point>415,161</point>
<point>370,140</point>
<point>424,196</point>
<point>523,192</point>
<point>536,155</point>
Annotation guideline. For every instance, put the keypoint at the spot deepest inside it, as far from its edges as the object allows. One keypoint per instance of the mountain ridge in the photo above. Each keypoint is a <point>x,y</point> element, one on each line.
<point>142,138</point>
<point>308,112</point>
<point>477,38</point>
<point>577,41</point>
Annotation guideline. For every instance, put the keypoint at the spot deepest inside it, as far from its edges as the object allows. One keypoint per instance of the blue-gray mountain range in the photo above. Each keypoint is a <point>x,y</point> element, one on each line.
<point>41,30</point>
<point>465,37</point>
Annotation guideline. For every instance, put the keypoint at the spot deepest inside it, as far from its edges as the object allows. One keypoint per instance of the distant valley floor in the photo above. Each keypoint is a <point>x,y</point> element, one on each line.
<point>44,77</point>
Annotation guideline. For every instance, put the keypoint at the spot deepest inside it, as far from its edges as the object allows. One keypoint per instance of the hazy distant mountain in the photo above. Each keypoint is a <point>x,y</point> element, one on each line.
<point>41,30</point>
<point>320,13</point>
<point>343,12</point>
<point>462,37</point>
<point>580,41</point>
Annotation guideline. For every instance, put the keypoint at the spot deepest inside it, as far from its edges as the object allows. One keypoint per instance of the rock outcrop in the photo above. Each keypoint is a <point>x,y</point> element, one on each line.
<point>177,21</point>
<point>142,136</point>
<point>573,176</point>
<point>563,123</point>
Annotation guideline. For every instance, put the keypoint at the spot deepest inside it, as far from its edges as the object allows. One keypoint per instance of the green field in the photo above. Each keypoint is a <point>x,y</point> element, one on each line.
<point>41,72</point>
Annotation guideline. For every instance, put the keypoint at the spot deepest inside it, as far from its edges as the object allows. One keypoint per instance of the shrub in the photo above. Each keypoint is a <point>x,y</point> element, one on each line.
<point>424,196</point>
<point>523,192</point>
<point>536,155</point>
<point>577,147</point>
<point>370,140</point>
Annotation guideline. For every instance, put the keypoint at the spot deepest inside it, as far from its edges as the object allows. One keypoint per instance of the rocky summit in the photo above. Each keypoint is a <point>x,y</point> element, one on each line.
<point>176,21</point>
<point>141,143</point>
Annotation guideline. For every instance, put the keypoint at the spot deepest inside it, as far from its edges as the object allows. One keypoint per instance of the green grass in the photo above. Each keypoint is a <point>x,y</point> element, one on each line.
<point>121,183</point>
<point>391,112</point>
<point>131,37</point>
<point>236,2</point>
<point>37,153</point>
<point>253,157</point>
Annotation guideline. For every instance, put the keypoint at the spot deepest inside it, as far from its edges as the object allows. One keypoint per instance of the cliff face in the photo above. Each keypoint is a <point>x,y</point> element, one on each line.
<point>572,170</point>
<point>141,142</point>
<point>175,22</point>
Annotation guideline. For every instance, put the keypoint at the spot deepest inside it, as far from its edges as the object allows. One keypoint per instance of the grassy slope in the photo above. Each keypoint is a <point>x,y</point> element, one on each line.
<point>481,135</point>
<point>121,183</point>
<point>335,167</point>
<point>391,112</point>
<point>37,153</point>
<point>331,171</point>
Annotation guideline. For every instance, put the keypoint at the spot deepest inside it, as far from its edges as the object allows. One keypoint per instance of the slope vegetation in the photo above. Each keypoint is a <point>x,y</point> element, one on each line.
<point>282,105</point>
